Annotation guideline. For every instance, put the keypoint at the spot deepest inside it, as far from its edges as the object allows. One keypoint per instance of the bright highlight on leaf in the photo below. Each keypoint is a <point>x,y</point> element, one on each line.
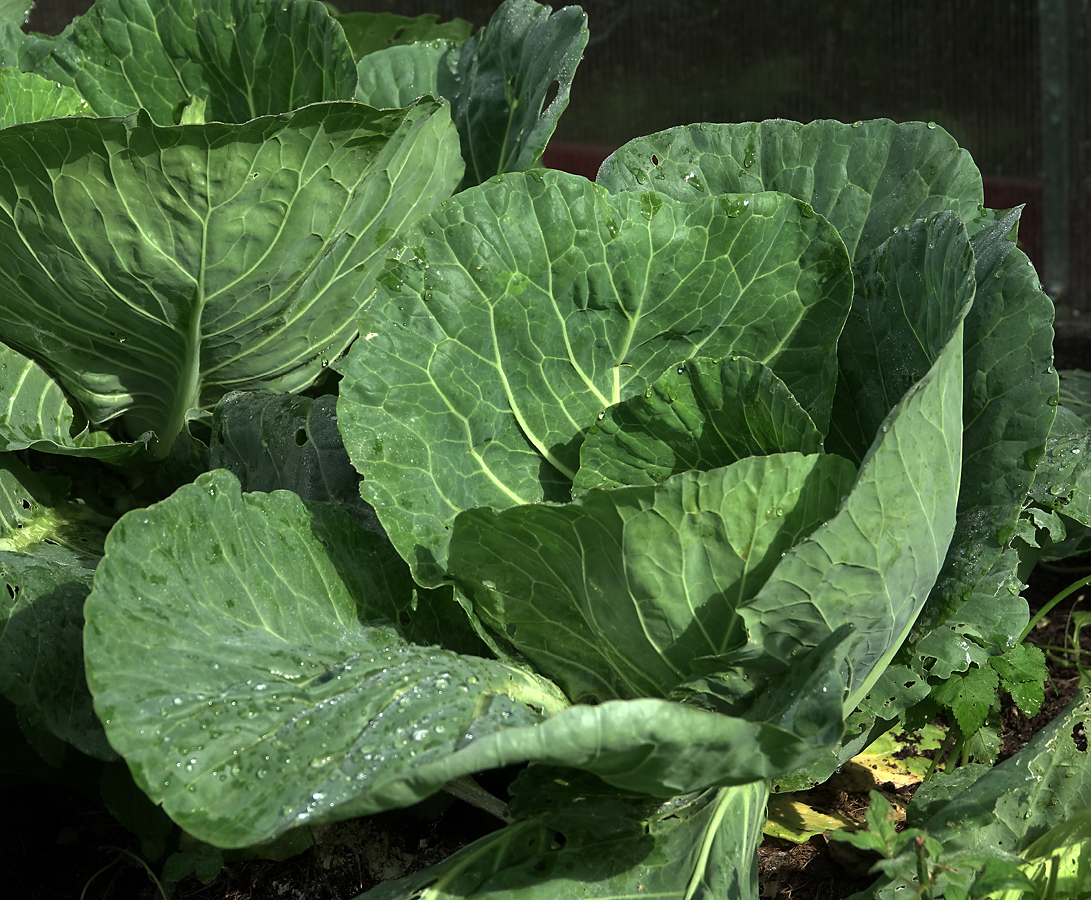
<point>153,269</point>
<point>525,307</point>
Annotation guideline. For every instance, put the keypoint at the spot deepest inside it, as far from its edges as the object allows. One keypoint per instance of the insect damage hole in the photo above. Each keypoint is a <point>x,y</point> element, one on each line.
<point>1079,737</point>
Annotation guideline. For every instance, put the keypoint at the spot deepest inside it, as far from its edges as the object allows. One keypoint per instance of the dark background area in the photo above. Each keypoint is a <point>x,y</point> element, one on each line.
<point>975,67</point>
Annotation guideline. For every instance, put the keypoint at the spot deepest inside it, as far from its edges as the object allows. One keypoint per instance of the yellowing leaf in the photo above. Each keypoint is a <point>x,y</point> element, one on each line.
<point>791,819</point>
<point>886,762</point>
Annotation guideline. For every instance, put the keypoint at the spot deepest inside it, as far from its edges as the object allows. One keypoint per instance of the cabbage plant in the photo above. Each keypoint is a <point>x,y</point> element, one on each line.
<point>673,488</point>
<point>665,483</point>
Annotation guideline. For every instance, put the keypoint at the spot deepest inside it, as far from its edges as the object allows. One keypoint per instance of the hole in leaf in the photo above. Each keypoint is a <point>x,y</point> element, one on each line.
<point>12,591</point>
<point>655,160</point>
<point>404,619</point>
<point>301,437</point>
<point>1079,737</point>
<point>551,94</point>
<point>398,32</point>
<point>26,504</point>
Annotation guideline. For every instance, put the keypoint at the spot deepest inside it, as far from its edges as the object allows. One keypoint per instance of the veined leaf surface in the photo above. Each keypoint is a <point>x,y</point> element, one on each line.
<point>245,58</point>
<point>865,178</point>
<point>630,592</point>
<point>246,643</point>
<point>153,269</point>
<point>28,98</point>
<point>873,564</point>
<point>528,305</point>
<point>703,415</point>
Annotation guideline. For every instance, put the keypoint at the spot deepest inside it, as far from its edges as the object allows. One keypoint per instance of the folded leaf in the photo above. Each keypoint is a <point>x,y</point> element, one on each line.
<point>865,178</point>
<point>227,641</point>
<point>873,564</point>
<point>703,415</point>
<point>692,848</point>
<point>909,292</point>
<point>1009,399</point>
<point>245,660</point>
<point>498,83</point>
<point>621,593</point>
<point>529,305</point>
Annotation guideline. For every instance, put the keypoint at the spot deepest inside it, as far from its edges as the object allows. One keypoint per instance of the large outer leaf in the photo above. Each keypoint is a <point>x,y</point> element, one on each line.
<point>152,269</point>
<point>28,98</point>
<point>246,58</point>
<point>499,80</point>
<point>704,415</point>
<point>873,564</point>
<point>865,178</point>
<point>41,657</point>
<point>232,667</point>
<point>630,592</point>
<point>530,304</point>
<point>692,848</point>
